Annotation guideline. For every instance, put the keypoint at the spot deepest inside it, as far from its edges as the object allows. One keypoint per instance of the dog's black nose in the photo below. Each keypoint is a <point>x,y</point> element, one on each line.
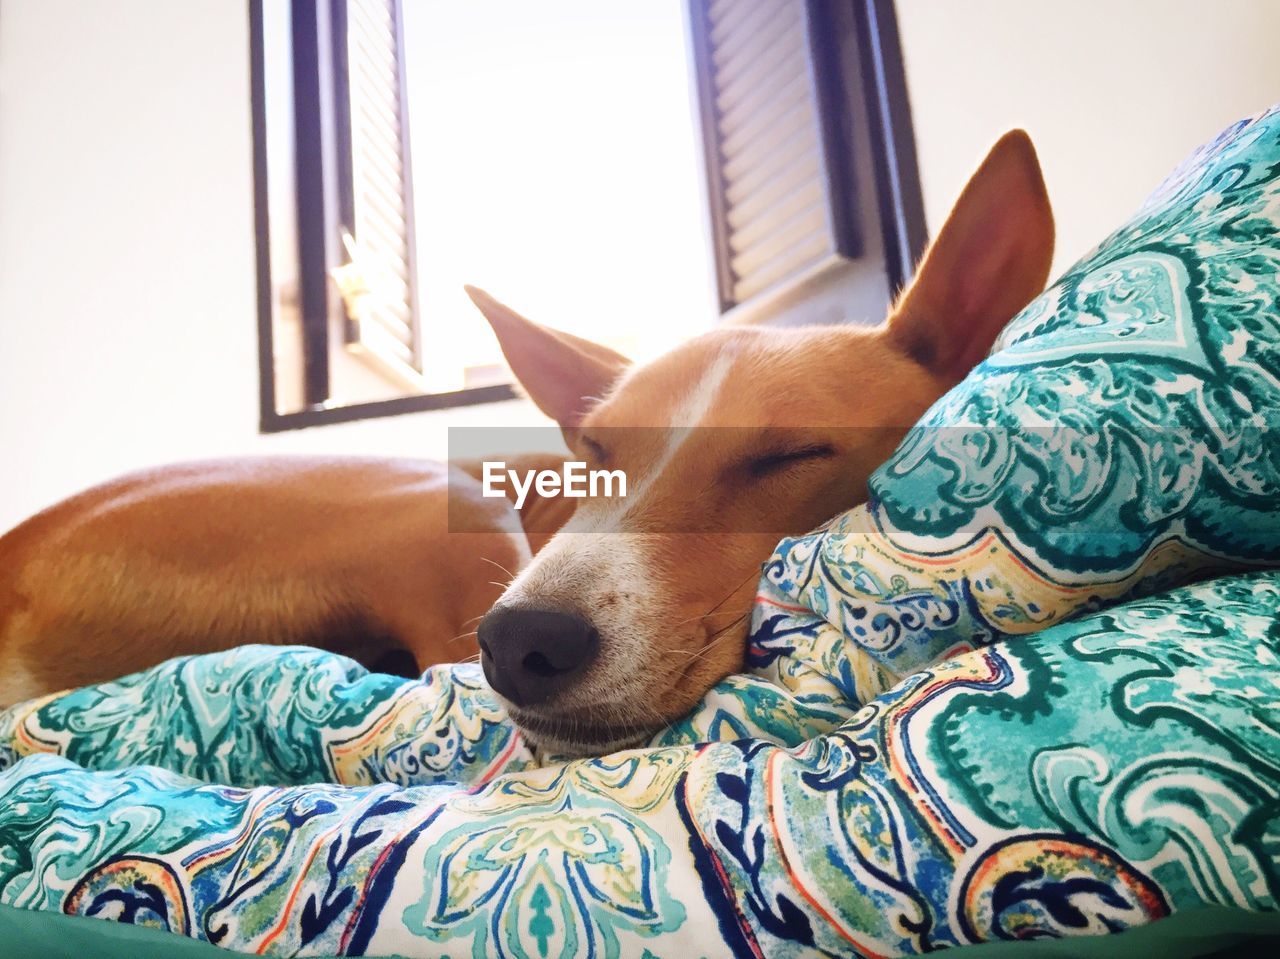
<point>529,655</point>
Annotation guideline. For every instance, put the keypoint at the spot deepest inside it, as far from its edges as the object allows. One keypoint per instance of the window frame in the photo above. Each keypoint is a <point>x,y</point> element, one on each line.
<point>850,31</point>
<point>321,188</point>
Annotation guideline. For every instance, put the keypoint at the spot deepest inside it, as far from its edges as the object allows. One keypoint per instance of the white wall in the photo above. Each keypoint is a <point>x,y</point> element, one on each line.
<point>1113,92</point>
<point>127,304</point>
<point>127,290</point>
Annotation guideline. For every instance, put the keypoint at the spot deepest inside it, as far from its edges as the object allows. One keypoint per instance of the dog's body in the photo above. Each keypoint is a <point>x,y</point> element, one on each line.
<point>632,610</point>
<point>352,555</point>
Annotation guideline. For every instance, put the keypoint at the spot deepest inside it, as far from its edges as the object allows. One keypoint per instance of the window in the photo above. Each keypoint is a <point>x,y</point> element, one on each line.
<point>574,158</point>
<point>814,200</point>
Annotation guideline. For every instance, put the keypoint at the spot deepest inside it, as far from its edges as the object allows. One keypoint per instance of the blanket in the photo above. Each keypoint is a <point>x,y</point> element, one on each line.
<point>1015,695</point>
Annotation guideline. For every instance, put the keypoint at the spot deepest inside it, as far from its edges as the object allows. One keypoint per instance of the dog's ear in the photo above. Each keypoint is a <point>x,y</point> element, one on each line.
<point>563,374</point>
<point>990,259</point>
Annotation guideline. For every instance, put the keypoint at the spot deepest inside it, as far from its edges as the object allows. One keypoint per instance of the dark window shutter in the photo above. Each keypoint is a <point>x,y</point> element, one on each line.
<point>374,186</point>
<point>790,211</point>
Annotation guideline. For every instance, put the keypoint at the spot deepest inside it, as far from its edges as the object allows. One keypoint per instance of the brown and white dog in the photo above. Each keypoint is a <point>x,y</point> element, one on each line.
<point>626,616</point>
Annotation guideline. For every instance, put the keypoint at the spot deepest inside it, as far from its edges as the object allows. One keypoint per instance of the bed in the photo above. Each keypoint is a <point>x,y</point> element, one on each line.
<point>1029,690</point>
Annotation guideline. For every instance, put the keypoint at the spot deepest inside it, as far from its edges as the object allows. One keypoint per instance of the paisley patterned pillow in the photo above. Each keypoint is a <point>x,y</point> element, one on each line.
<point>1115,443</point>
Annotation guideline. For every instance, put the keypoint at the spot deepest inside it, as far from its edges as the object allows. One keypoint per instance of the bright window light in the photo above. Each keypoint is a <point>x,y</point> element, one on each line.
<point>555,164</point>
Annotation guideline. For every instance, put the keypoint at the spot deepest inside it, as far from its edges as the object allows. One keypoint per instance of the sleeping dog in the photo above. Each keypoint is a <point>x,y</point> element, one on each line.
<point>611,627</point>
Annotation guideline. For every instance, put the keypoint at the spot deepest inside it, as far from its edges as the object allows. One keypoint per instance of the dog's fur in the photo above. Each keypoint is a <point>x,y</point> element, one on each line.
<point>347,553</point>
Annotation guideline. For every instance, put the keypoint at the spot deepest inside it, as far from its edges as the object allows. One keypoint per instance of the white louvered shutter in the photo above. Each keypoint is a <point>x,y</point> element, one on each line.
<point>377,199</point>
<point>766,146</point>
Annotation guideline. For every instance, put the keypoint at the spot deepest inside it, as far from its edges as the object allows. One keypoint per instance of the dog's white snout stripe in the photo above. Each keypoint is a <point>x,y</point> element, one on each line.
<point>596,557</point>
<point>686,416</point>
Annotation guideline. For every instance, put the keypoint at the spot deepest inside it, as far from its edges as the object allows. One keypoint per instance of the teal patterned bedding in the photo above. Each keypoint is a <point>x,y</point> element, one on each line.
<point>1092,777</point>
<point>1005,699</point>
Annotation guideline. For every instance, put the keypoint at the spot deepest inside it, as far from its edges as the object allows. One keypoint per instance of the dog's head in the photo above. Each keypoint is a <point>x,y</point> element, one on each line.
<point>742,435</point>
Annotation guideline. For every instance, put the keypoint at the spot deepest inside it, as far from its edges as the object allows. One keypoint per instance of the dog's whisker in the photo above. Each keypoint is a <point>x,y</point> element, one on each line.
<point>665,722</point>
<point>658,725</point>
<point>510,575</point>
<point>716,637</point>
<point>462,636</point>
<point>754,574</point>
<point>699,656</point>
<point>724,629</point>
<point>714,610</point>
<point>705,616</point>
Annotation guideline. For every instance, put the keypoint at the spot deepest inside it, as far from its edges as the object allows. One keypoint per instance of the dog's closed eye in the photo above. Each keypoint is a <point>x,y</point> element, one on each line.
<point>778,461</point>
<point>594,449</point>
